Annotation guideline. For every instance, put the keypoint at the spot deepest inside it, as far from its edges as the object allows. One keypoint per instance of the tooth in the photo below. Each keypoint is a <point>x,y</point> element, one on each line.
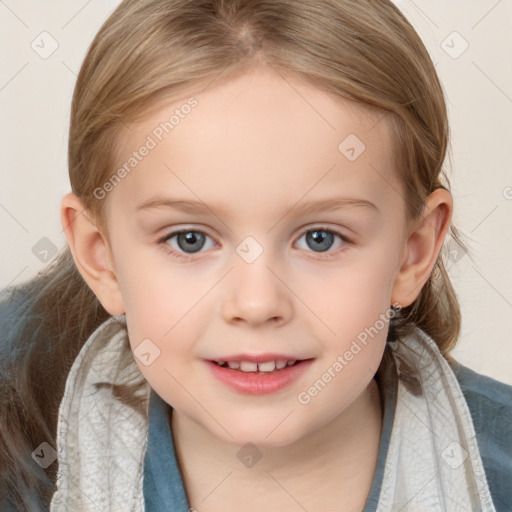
<point>268,366</point>
<point>289,363</point>
<point>234,365</point>
<point>247,366</point>
<point>280,364</point>
<point>220,363</point>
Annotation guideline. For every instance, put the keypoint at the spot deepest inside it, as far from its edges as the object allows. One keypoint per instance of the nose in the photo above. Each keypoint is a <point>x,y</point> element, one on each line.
<point>257,295</point>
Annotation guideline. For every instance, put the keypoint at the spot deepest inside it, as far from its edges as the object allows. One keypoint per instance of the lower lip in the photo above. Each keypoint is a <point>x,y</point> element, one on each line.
<point>259,383</point>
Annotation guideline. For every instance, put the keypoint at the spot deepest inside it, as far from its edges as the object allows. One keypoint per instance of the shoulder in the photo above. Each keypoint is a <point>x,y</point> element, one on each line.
<point>489,400</point>
<point>490,404</point>
<point>13,306</point>
<point>21,427</point>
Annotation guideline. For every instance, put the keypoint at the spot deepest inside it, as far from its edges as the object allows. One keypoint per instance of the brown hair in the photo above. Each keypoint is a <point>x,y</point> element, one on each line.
<point>151,51</point>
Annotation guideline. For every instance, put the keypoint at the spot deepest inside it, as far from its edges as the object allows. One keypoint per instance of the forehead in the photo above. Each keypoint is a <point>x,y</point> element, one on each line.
<point>262,136</point>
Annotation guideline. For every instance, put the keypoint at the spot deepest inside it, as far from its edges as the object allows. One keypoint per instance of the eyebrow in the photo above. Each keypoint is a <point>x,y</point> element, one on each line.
<point>306,208</point>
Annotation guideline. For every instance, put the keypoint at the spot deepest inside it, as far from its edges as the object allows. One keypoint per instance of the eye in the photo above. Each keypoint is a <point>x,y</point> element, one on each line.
<point>184,242</point>
<point>321,239</point>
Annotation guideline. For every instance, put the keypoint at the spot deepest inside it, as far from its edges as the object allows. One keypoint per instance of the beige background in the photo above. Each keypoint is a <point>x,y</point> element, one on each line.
<point>35,96</point>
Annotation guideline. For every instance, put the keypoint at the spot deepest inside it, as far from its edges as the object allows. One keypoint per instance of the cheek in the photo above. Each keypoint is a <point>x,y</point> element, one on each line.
<point>351,296</point>
<point>164,322</point>
<point>342,380</point>
<point>154,294</point>
<point>163,305</point>
<point>353,307</point>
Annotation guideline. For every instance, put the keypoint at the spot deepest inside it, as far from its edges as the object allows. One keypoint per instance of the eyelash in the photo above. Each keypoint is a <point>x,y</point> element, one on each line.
<point>182,257</point>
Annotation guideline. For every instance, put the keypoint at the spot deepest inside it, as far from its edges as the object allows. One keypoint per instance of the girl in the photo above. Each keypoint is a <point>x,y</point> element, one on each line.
<point>299,357</point>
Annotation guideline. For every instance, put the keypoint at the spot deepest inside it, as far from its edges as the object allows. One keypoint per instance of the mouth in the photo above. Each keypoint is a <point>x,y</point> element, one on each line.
<point>271,366</point>
<point>258,378</point>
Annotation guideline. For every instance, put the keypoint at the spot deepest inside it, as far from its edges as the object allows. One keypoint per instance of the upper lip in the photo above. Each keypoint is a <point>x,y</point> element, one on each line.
<point>259,358</point>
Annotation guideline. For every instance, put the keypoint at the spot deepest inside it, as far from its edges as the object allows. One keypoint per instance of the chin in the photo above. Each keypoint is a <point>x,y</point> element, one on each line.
<point>267,434</point>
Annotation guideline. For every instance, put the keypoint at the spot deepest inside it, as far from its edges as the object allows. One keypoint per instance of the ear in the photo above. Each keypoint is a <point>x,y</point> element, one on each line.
<point>424,242</point>
<point>91,252</point>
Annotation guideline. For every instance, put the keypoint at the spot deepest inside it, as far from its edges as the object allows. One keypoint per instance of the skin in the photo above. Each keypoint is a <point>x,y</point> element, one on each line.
<point>253,149</point>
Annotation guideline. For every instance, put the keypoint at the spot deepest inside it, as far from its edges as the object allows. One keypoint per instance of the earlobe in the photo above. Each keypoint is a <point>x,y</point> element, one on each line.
<point>422,247</point>
<point>91,253</point>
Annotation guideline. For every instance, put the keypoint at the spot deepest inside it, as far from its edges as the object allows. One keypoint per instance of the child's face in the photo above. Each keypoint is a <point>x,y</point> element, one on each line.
<point>253,152</point>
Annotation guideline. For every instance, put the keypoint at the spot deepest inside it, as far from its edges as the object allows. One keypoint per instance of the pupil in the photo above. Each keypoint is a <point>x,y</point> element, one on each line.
<point>187,240</point>
<point>321,239</point>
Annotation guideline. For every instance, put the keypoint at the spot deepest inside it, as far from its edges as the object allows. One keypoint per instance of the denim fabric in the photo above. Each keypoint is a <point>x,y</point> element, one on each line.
<point>163,486</point>
<point>490,404</point>
<point>489,401</point>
